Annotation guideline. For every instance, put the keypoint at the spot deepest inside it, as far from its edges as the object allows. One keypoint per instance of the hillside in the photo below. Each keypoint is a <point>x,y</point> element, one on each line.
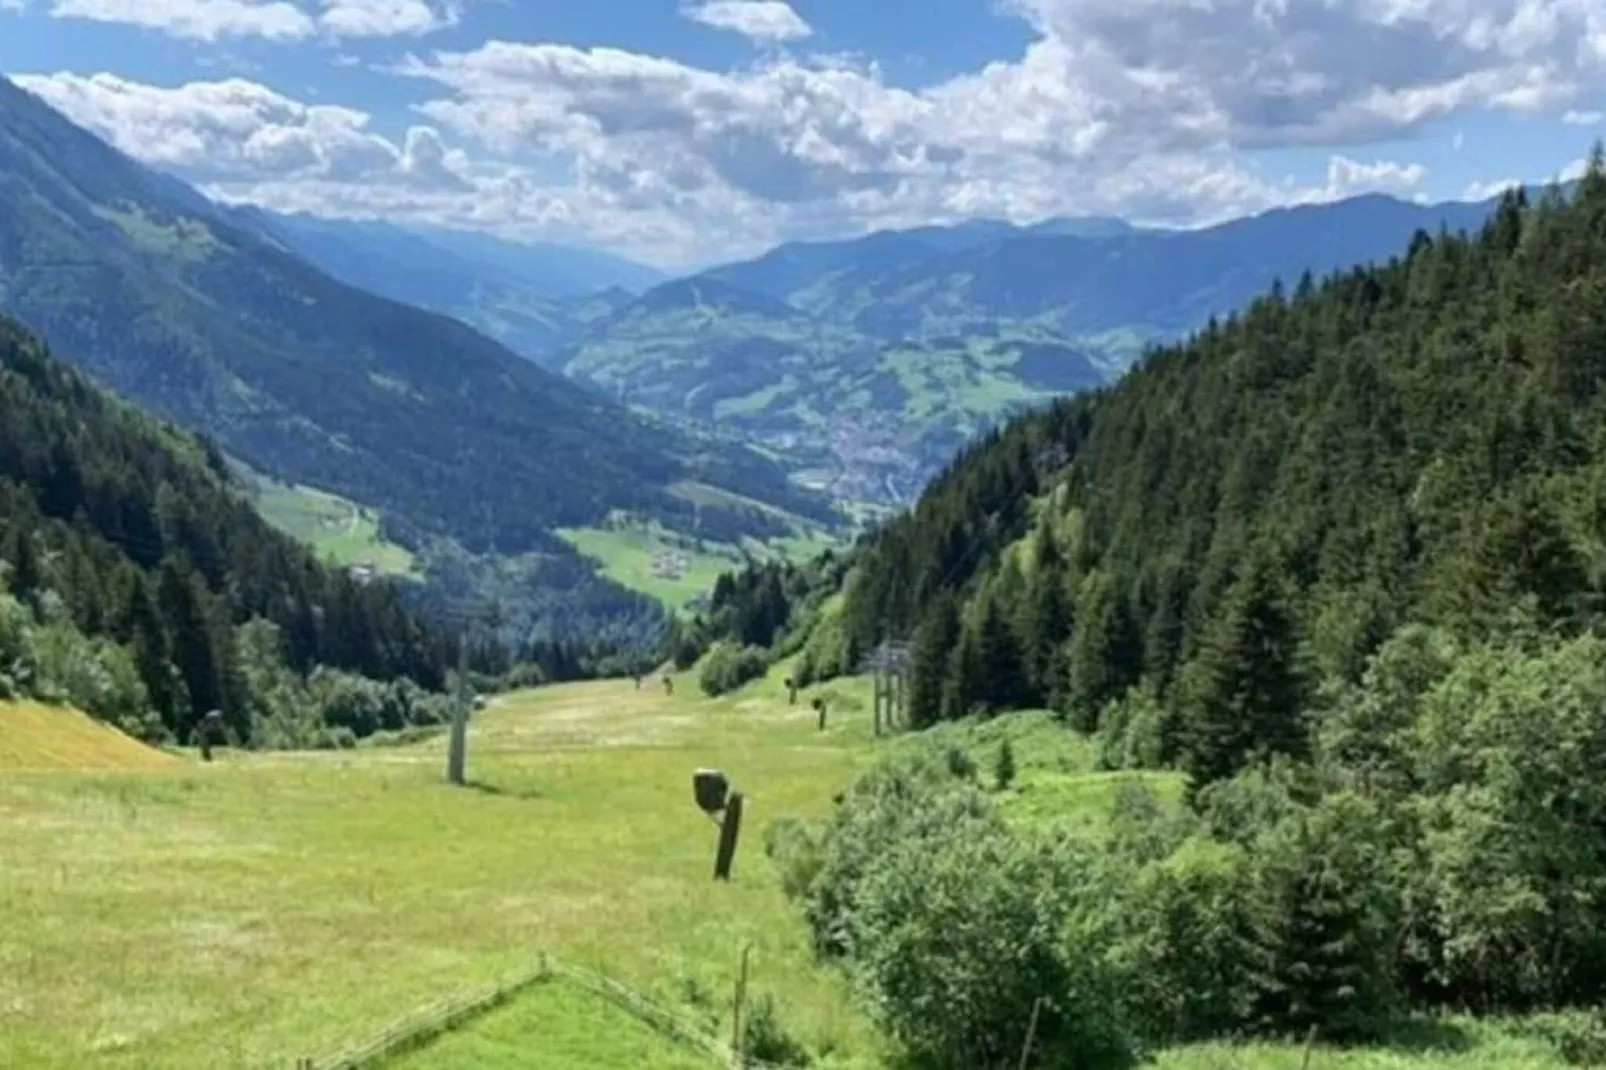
<point>532,298</point>
<point>444,431</point>
<point>1366,453</point>
<point>140,584</point>
<point>35,738</point>
<point>1332,567</point>
<point>865,364</point>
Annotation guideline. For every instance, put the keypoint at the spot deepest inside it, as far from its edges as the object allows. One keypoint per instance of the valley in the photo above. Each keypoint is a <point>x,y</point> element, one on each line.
<point>1174,642</point>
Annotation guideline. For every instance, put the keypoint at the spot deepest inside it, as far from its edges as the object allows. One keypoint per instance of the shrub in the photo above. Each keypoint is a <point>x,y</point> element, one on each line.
<point>796,854</point>
<point>729,666</point>
<point>764,1036</point>
<point>1004,767</point>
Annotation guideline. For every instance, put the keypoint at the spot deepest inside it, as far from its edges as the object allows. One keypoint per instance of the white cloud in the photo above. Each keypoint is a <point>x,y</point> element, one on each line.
<point>1483,191</point>
<point>1346,177</point>
<point>1157,110</point>
<point>200,20</point>
<point>1583,118</point>
<point>1574,171</point>
<point>239,130</point>
<point>281,20</point>
<point>758,20</point>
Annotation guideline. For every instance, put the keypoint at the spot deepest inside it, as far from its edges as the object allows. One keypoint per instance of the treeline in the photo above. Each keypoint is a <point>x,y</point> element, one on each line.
<point>766,611</point>
<point>141,584</point>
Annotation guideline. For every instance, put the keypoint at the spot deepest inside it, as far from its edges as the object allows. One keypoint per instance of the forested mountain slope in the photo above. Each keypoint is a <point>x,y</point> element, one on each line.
<point>865,364</point>
<point>144,587</point>
<point>214,326</point>
<point>534,299</point>
<point>1339,561</point>
<point>1248,515</point>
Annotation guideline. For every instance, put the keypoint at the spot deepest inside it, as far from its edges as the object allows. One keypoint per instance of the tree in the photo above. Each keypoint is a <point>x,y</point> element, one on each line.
<point>1242,693</point>
<point>935,641</point>
<point>1003,675</point>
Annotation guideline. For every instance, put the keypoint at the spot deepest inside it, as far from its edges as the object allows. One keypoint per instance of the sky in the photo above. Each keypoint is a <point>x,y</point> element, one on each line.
<point>686,132</point>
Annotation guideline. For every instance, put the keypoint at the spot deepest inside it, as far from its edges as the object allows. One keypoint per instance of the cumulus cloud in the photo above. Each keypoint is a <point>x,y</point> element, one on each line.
<point>281,20</point>
<point>1157,110</point>
<point>758,20</point>
<point>1483,191</point>
<point>1583,118</point>
<point>1346,176</point>
<point>239,130</point>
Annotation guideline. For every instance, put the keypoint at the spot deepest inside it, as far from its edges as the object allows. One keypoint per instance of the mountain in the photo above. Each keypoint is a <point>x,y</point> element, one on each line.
<point>172,303</point>
<point>865,419</point>
<point>532,298</point>
<point>137,581</point>
<point>864,364</point>
<point>1238,525</point>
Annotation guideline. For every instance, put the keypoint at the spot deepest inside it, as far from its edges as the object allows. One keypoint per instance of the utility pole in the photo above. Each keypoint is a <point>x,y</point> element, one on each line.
<point>457,755</point>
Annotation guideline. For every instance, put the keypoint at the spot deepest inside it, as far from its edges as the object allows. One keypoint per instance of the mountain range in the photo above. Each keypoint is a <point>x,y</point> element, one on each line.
<point>172,303</point>
<point>864,364</point>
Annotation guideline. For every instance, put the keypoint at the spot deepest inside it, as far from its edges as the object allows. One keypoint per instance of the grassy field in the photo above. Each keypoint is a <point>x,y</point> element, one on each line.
<point>168,914</point>
<point>34,738</point>
<point>626,556</point>
<point>340,531</point>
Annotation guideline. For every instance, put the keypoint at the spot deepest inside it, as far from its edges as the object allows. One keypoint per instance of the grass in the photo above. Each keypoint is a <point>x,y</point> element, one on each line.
<point>341,531</point>
<point>268,907</point>
<point>575,1029</point>
<point>35,737</point>
<point>626,555</point>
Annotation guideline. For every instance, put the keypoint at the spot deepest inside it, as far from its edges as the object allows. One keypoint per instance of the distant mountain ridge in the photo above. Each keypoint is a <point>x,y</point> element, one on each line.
<point>866,363</point>
<point>174,303</point>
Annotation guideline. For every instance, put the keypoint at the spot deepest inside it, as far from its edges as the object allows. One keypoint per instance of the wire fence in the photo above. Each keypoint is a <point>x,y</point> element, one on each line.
<point>444,1015</point>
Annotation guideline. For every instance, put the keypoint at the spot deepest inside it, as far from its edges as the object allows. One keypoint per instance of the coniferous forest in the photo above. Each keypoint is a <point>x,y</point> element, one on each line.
<point>1339,560</point>
<point>140,584</point>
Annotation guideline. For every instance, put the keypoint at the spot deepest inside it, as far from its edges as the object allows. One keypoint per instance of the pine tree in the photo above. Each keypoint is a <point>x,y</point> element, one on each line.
<point>1003,675</point>
<point>1242,693</point>
<point>934,645</point>
<point>183,600</point>
<point>963,688</point>
<point>1004,766</point>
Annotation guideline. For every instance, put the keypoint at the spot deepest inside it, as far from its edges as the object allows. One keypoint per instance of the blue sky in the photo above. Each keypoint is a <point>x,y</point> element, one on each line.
<point>682,132</point>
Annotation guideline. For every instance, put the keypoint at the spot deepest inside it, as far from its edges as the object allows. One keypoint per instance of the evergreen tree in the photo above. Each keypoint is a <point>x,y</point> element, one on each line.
<point>934,646</point>
<point>1242,693</point>
<point>1003,675</point>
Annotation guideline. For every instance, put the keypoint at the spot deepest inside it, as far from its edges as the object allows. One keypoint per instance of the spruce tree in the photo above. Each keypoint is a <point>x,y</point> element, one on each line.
<point>1003,674</point>
<point>934,645</point>
<point>1242,693</point>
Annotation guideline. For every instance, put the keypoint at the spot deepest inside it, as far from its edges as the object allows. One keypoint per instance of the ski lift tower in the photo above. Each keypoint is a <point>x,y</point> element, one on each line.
<point>888,665</point>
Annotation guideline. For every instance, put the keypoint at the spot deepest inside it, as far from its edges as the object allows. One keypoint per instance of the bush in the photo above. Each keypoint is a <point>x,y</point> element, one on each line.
<point>796,854</point>
<point>935,918</point>
<point>1132,732</point>
<point>729,666</point>
<point>764,1036</point>
<point>1004,767</point>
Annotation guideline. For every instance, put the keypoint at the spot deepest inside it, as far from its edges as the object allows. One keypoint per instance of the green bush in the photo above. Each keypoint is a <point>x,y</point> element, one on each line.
<point>764,1035</point>
<point>729,666</point>
<point>796,854</point>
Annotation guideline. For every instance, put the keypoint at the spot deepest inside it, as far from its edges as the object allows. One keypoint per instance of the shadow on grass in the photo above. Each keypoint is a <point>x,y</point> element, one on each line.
<point>1422,1035</point>
<point>496,790</point>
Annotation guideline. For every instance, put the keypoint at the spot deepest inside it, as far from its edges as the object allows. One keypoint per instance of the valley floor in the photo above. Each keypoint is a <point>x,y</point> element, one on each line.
<point>265,908</point>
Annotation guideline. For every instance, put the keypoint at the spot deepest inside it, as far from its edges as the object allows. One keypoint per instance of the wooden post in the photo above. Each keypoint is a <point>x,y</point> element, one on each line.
<point>738,1040</point>
<point>457,753</point>
<point>876,701</point>
<point>791,691</point>
<point>729,829</point>
<point>819,707</point>
<point>1031,1033</point>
